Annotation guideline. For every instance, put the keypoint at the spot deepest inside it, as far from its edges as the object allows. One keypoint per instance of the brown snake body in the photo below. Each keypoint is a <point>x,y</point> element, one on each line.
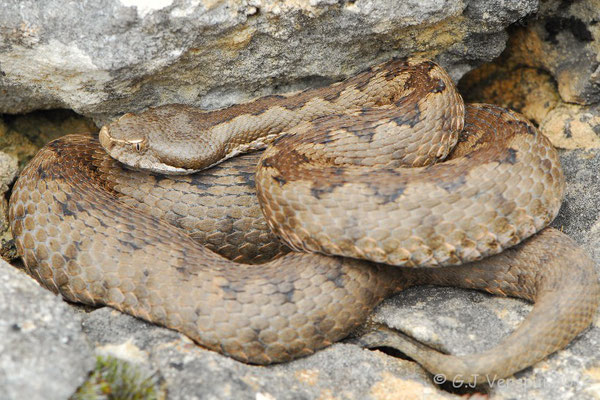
<point>96,233</point>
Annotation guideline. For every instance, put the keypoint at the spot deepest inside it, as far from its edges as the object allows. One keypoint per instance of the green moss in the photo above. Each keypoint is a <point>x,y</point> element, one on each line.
<point>117,379</point>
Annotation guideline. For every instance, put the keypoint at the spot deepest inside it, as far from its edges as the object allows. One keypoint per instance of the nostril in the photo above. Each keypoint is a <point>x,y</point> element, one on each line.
<point>105,139</point>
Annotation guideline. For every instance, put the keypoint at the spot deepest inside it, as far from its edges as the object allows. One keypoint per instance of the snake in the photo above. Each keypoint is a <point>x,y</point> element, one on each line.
<point>368,186</point>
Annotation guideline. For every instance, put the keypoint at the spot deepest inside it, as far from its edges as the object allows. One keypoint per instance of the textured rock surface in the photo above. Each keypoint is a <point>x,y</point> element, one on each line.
<point>564,40</point>
<point>106,57</point>
<point>519,80</point>
<point>339,372</point>
<point>550,71</point>
<point>8,172</point>
<point>43,352</point>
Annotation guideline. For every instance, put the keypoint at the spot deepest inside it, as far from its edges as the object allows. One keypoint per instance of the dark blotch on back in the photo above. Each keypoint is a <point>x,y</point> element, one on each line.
<point>451,185</point>
<point>130,244</point>
<point>511,156</point>
<point>333,96</point>
<point>318,190</point>
<point>411,119</point>
<point>281,181</point>
<point>522,125</point>
<point>289,295</point>
<point>439,87</point>
<point>65,209</point>
<point>266,163</point>
<point>324,138</point>
<point>387,194</point>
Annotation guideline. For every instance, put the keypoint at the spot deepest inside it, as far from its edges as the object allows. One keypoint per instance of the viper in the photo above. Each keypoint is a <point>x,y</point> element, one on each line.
<point>368,186</point>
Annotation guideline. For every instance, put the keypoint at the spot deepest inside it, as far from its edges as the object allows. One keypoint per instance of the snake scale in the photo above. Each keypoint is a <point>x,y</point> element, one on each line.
<point>334,180</point>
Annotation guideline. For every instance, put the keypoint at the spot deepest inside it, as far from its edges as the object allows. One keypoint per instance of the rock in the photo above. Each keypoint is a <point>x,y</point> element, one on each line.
<point>340,371</point>
<point>519,81</point>
<point>530,91</point>
<point>104,58</point>
<point>564,40</point>
<point>579,216</point>
<point>21,136</point>
<point>571,126</point>
<point>8,172</point>
<point>16,145</point>
<point>43,352</point>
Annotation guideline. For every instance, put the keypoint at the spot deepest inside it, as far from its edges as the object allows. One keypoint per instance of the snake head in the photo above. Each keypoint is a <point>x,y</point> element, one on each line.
<point>156,140</point>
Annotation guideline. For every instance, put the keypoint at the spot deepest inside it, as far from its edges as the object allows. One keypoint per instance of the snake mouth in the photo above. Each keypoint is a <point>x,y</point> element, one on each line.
<point>160,168</point>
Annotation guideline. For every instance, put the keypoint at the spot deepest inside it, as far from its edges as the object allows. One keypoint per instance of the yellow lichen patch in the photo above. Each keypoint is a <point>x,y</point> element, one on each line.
<point>592,381</point>
<point>524,47</point>
<point>428,41</point>
<point>572,127</point>
<point>394,388</point>
<point>237,40</point>
<point>308,376</point>
<point>16,145</point>
<point>23,135</point>
<point>440,36</point>
<point>528,90</point>
<point>593,373</point>
<point>517,80</point>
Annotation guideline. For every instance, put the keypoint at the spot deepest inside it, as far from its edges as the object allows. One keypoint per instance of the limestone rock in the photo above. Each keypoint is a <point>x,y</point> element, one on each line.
<point>340,371</point>
<point>107,57</point>
<point>521,80</point>
<point>8,172</point>
<point>564,40</point>
<point>43,352</point>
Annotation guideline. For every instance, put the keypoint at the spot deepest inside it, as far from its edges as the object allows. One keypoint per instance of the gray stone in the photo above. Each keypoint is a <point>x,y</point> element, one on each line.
<point>107,57</point>
<point>8,172</point>
<point>563,39</point>
<point>341,371</point>
<point>43,352</point>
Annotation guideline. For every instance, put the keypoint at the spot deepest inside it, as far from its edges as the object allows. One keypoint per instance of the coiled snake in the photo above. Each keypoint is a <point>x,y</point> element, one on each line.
<point>333,181</point>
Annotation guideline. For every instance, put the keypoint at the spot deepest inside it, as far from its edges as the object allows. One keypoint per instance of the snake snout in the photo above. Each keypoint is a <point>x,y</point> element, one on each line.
<point>105,139</point>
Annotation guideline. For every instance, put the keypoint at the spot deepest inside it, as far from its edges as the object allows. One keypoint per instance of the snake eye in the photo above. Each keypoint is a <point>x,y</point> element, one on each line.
<point>138,145</point>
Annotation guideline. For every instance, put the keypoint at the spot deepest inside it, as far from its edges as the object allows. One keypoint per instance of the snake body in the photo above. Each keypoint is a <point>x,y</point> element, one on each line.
<point>97,233</point>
